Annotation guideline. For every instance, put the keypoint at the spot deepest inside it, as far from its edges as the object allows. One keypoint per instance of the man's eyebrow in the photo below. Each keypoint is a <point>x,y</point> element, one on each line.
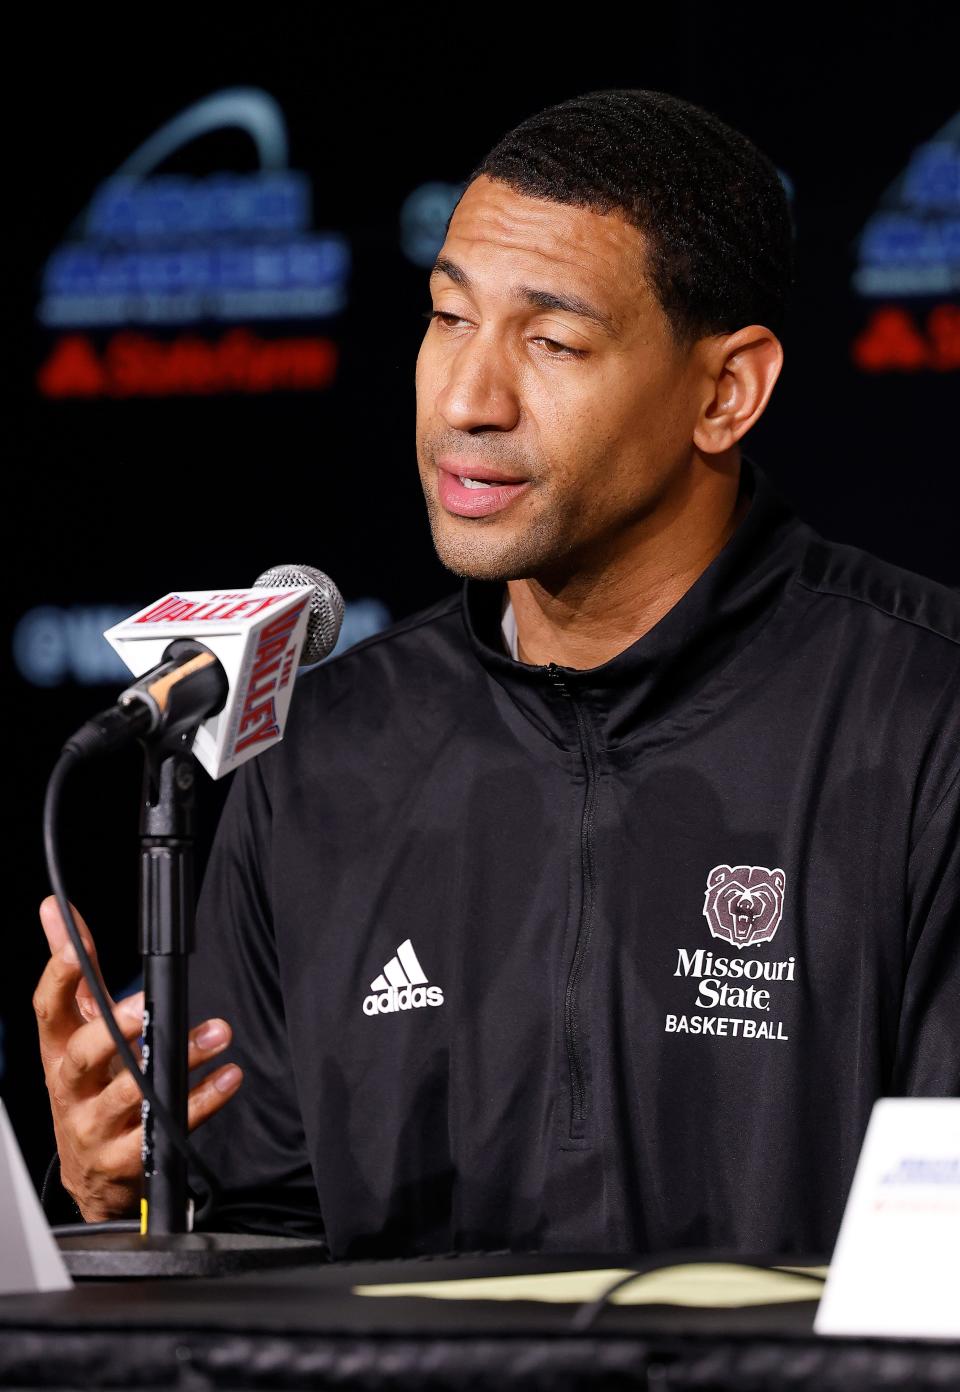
<point>569,304</point>
<point>450,268</point>
<point>540,299</point>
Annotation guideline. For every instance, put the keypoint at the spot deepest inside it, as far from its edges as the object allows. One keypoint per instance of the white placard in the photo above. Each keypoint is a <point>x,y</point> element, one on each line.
<point>30,1259</point>
<point>895,1272</point>
<point>256,634</point>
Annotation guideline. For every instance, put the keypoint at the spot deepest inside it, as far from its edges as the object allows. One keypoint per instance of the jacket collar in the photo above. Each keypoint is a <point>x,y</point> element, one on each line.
<point>670,664</point>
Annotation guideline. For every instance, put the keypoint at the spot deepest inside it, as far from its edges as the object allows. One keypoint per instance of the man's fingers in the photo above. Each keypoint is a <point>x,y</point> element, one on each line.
<point>207,1040</point>
<point>210,1095</point>
<point>121,1158</point>
<point>55,1004</point>
<point>57,937</point>
<point>55,929</point>
<point>119,1103</point>
<point>91,1047</point>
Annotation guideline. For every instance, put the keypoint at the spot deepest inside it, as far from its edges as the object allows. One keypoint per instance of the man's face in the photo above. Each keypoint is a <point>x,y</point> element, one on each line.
<point>549,374</point>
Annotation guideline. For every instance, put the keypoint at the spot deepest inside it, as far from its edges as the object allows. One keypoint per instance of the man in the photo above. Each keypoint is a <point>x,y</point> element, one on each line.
<point>593,908</point>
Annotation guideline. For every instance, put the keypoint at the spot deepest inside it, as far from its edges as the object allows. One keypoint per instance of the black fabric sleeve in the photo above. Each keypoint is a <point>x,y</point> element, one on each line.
<point>928,1053</point>
<point>255,1145</point>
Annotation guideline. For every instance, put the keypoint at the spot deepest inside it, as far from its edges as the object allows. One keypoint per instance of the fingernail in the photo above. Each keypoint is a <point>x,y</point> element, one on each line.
<point>210,1034</point>
<point>68,953</point>
<point>133,1005</point>
<point>228,1079</point>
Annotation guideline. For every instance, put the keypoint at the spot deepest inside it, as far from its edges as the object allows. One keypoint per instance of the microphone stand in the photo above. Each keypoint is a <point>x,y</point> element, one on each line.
<point>166,1244</point>
<point>166,940</point>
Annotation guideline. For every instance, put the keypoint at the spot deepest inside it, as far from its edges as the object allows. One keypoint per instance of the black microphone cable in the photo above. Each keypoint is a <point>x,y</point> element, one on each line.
<point>588,1312</point>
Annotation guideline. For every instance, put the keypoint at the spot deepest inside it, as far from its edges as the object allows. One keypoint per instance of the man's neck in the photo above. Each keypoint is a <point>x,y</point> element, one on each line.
<point>591,615</point>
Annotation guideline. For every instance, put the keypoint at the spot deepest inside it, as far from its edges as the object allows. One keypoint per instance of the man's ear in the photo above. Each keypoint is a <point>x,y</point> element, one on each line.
<point>741,370</point>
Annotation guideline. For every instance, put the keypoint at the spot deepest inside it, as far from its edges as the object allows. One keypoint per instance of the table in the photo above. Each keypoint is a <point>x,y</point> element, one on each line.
<point>306,1327</point>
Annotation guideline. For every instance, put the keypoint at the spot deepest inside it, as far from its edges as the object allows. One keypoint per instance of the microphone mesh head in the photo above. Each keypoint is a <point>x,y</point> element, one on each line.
<point>326,607</point>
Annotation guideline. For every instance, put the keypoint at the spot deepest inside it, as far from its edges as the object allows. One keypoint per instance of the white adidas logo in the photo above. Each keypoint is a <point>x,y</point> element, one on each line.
<point>402,985</point>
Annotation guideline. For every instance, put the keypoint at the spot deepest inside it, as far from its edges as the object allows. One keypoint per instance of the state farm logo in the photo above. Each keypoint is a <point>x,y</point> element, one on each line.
<point>744,903</point>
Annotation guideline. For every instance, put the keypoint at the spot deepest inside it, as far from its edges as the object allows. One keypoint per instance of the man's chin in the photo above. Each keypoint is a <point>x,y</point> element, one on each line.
<point>470,566</point>
<point>479,554</point>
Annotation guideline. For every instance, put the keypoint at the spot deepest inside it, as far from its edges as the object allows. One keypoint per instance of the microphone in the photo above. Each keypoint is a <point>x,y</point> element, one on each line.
<point>233,688</point>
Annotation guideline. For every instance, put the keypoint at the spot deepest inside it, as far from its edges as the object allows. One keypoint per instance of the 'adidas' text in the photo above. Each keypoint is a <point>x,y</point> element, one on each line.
<point>404,998</point>
<point>402,985</point>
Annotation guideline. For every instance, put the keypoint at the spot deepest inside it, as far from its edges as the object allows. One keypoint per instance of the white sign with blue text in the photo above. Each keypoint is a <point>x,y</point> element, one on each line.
<point>895,1272</point>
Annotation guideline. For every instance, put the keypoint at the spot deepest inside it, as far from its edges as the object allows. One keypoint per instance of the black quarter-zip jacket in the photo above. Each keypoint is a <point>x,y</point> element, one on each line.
<point>618,959</point>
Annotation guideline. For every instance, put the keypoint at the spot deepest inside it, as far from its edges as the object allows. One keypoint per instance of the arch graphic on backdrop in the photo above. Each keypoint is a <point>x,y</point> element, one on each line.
<point>249,109</point>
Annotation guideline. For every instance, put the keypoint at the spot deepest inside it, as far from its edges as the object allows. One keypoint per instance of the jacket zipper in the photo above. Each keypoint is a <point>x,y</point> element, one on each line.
<point>571,998</point>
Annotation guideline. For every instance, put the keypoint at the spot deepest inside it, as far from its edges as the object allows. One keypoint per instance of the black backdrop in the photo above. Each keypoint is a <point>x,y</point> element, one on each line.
<point>113,501</point>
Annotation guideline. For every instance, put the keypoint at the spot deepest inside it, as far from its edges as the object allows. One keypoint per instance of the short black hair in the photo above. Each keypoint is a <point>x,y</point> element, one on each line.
<point>710,205</point>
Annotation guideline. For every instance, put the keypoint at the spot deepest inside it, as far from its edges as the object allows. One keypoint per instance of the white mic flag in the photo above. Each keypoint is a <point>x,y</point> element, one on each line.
<point>256,634</point>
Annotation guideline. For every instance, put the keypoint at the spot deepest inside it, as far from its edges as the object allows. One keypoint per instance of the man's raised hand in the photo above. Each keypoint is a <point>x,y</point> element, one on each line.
<point>94,1101</point>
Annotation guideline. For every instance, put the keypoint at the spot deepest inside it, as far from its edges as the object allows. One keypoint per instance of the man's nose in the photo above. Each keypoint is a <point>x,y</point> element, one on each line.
<point>481,390</point>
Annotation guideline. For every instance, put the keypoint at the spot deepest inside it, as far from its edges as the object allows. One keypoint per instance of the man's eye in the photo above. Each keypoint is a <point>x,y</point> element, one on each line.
<point>557,350</point>
<point>553,347</point>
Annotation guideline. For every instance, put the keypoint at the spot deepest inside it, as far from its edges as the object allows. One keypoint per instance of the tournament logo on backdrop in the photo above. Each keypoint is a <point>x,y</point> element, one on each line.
<point>744,903</point>
<point>908,265</point>
<point>165,283</point>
